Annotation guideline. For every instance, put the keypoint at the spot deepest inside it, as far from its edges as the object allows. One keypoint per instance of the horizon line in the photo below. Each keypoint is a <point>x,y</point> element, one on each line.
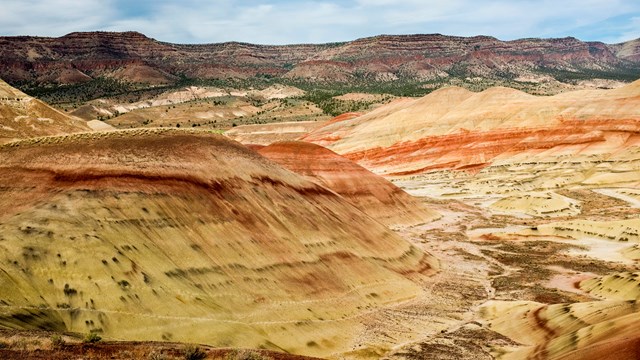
<point>319,43</point>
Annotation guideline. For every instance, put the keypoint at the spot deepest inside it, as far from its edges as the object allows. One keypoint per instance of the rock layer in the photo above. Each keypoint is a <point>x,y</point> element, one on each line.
<point>131,56</point>
<point>186,236</point>
<point>23,116</point>
<point>266,134</point>
<point>370,193</point>
<point>453,128</point>
<point>567,331</point>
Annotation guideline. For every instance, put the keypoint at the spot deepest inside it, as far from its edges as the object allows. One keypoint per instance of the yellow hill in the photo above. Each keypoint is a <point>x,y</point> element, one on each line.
<point>457,129</point>
<point>22,116</point>
<point>588,330</point>
<point>187,236</point>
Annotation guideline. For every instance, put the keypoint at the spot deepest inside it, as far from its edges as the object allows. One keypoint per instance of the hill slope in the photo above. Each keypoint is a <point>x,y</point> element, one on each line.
<point>409,59</point>
<point>185,236</point>
<point>454,128</point>
<point>23,116</point>
<point>266,134</point>
<point>370,193</point>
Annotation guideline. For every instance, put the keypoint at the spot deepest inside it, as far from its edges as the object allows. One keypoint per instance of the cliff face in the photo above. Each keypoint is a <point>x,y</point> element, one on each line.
<point>78,57</point>
<point>423,57</point>
<point>97,54</point>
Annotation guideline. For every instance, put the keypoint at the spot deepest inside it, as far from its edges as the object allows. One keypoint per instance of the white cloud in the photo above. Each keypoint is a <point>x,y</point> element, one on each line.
<point>629,32</point>
<point>289,21</point>
<point>53,17</point>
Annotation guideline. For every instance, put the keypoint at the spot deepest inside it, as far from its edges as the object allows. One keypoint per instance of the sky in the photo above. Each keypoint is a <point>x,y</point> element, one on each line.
<point>320,21</point>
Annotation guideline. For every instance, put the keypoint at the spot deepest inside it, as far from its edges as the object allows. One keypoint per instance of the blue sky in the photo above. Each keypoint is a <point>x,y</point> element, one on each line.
<point>315,21</point>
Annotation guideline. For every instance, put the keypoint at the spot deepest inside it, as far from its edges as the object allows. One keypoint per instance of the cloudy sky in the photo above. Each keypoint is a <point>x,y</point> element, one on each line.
<point>314,21</point>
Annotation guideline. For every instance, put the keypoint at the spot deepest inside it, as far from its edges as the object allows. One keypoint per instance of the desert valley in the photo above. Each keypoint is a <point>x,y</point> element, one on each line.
<point>397,197</point>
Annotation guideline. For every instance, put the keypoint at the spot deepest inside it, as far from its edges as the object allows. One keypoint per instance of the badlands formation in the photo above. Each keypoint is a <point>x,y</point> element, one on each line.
<point>547,198</point>
<point>266,134</point>
<point>470,225</point>
<point>453,128</point>
<point>368,192</point>
<point>191,237</point>
<point>540,65</point>
<point>24,116</point>
<point>539,206</point>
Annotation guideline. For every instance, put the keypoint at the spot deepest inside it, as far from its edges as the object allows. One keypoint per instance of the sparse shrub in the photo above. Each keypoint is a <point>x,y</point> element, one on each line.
<point>245,355</point>
<point>124,284</point>
<point>92,337</point>
<point>57,341</point>
<point>69,291</point>
<point>192,352</point>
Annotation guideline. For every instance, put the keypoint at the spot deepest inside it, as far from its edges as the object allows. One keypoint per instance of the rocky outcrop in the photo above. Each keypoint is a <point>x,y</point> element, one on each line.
<point>131,56</point>
<point>104,54</point>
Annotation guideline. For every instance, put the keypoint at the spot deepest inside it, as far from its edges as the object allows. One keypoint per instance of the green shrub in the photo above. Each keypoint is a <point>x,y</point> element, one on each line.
<point>92,337</point>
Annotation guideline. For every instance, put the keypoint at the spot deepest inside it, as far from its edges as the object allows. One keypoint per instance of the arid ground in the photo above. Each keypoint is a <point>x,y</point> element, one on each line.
<point>489,224</point>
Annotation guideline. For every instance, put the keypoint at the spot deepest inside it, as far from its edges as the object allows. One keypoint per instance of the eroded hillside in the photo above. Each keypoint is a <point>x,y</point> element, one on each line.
<point>400,62</point>
<point>22,116</point>
<point>187,236</point>
<point>454,128</point>
<point>370,193</point>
